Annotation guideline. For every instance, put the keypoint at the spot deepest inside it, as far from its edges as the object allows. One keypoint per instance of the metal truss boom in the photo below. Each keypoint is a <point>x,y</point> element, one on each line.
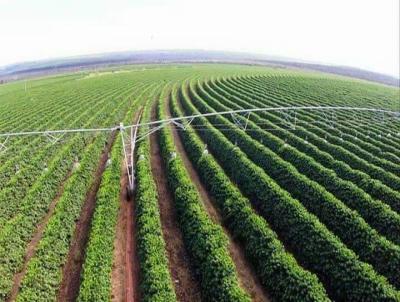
<point>130,135</point>
<point>293,108</point>
<point>191,117</point>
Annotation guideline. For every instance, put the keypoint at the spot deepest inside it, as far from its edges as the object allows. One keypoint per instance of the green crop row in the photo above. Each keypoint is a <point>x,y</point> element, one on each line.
<point>43,274</point>
<point>277,269</point>
<point>20,183</point>
<point>17,232</point>
<point>348,124</point>
<point>21,143</point>
<point>16,122</point>
<point>337,151</point>
<point>347,224</point>
<point>23,148</point>
<point>353,145</point>
<point>205,240</point>
<point>374,147</point>
<point>20,149</point>
<point>319,250</point>
<point>96,273</point>
<point>329,91</point>
<point>372,186</point>
<point>377,214</point>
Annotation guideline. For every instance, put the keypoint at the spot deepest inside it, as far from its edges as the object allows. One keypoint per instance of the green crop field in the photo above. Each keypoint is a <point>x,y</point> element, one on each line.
<point>267,206</point>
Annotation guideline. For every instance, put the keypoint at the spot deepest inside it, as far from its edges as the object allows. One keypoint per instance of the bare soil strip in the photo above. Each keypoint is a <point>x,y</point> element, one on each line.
<point>247,277</point>
<point>31,248</point>
<point>118,274</point>
<point>69,288</point>
<point>131,263</point>
<point>126,269</point>
<point>125,272</point>
<point>186,286</point>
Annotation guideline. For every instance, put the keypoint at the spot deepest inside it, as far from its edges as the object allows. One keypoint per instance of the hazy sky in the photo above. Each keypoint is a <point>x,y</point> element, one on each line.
<point>360,33</point>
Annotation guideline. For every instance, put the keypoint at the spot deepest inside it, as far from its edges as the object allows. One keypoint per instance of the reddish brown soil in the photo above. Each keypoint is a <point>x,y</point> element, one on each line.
<point>131,257</point>
<point>186,286</point>
<point>247,277</point>
<point>69,287</point>
<point>119,268</point>
<point>31,248</point>
<point>126,269</point>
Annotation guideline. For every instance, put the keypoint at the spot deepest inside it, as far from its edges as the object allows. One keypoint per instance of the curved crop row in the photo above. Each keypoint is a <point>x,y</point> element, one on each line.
<point>336,138</point>
<point>347,224</point>
<point>312,97</point>
<point>350,125</point>
<point>271,123</point>
<point>377,214</point>
<point>286,97</point>
<point>318,249</point>
<point>354,162</point>
<point>20,150</point>
<point>277,269</point>
<point>15,120</point>
<point>205,241</point>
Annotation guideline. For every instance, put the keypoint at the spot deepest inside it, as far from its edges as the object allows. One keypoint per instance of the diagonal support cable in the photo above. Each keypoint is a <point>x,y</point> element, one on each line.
<point>188,123</point>
<point>124,146</point>
<point>3,146</point>
<point>150,131</point>
<point>180,125</point>
<point>54,138</point>
<point>247,121</point>
<point>289,118</point>
<point>236,120</point>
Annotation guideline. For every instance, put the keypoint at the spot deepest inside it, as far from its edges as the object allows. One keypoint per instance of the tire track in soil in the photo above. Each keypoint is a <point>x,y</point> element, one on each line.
<point>247,276</point>
<point>187,288</point>
<point>119,269</point>
<point>131,257</point>
<point>31,248</point>
<point>69,288</point>
<point>125,274</point>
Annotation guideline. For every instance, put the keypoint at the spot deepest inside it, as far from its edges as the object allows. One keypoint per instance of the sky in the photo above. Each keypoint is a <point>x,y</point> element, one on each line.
<point>358,33</point>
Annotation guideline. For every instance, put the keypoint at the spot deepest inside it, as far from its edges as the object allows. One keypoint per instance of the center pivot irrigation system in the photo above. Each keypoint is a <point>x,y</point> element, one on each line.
<point>129,133</point>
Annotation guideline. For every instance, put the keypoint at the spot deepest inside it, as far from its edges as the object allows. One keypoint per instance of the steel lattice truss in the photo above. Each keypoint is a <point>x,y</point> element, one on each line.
<point>129,133</point>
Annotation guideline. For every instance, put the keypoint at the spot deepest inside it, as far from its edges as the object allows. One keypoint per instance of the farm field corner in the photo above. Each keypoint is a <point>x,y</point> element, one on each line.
<point>262,206</point>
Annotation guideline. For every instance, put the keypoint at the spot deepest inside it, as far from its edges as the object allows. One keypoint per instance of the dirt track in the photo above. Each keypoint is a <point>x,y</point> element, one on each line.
<point>119,269</point>
<point>126,269</point>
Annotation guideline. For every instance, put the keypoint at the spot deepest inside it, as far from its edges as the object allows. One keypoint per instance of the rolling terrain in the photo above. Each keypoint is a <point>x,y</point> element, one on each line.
<point>267,206</point>
<point>113,61</point>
